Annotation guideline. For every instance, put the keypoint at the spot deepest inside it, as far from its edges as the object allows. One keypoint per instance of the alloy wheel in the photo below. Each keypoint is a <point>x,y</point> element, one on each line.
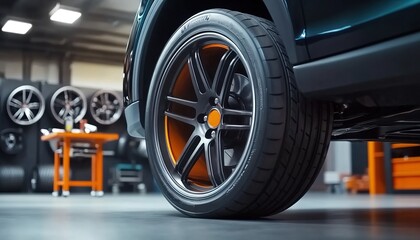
<point>68,101</point>
<point>106,107</point>
<point>206,119</point>
<point>25,105</point>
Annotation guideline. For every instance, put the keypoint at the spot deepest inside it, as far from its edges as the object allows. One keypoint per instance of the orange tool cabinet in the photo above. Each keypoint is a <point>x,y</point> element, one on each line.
<point>399,173</point>
<point>406,169</point>
<point>67,139</point>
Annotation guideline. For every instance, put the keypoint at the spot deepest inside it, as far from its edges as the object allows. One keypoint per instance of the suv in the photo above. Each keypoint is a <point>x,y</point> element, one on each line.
<point>238,100</point>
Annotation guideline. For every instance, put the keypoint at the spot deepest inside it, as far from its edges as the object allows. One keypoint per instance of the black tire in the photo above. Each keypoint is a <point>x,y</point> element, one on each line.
<point>11,179</point>
<point>259,170</point>
<point>43,178</point>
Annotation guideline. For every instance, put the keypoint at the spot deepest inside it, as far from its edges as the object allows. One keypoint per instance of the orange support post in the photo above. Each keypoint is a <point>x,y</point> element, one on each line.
<point>56,174</point>
<point>376,168</point>
<point>66,167</point>
<point>93,175</point>
<point>99,169</point>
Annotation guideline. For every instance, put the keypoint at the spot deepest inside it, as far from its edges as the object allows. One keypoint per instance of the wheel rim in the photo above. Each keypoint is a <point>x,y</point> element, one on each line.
<point>11,140</point>
<point>25,105</point>
<point>106,107</point>
<point>205,113</point>
<point>68,101</point>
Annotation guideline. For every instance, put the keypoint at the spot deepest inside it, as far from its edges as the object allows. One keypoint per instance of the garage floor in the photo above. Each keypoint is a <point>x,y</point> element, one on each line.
<point>316,216</point>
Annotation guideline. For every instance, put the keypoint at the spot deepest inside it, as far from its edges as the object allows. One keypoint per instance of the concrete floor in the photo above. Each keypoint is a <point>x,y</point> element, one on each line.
<point>126,217</point>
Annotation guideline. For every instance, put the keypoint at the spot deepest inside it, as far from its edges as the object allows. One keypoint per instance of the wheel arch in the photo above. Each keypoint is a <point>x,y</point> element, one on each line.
<point>157,30</point>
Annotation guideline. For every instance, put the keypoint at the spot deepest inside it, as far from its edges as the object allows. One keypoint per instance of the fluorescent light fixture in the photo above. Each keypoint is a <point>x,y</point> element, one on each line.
<point>18,27</point>
<point>60,14</point>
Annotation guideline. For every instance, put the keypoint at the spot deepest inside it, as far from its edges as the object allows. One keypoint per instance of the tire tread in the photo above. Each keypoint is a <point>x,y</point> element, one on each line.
<point>304,142</point>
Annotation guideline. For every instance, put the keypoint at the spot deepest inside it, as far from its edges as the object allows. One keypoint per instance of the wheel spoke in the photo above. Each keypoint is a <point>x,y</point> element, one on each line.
<point>22,113</point>
<point>225,73</point>
<point>198,74</point>
<point>62,112</point>
<point>106,98</point>
<point>180,118</point>
<point>19,103</point>
<point>66,96</point>
<point>234,112</point>
<point>24,96</point>
<point>108,114</point>
<point>34,105</point>
<point>182,102</point>
<point>29,115</point>
<point>75,101</point>
<point>29,97</point>
<point>235,127</point>
<point>244,114</point>
<point>17,113</point>
<point>102,99</point>
<point>59,102</point>
<point>189,156</point>
<point>214,160</point>
<point>12,104</point>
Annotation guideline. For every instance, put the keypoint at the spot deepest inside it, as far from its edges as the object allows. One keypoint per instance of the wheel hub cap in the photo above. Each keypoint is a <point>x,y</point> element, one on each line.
<point>214,118</point>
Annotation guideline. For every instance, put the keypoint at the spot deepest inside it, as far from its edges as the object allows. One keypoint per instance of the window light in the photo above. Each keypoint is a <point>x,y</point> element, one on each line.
<point>60,14</point>
<point>18,27</point>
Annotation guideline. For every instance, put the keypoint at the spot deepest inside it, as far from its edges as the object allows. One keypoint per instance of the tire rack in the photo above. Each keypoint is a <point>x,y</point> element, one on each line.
<point>40,154</point>
<point>22,163</point>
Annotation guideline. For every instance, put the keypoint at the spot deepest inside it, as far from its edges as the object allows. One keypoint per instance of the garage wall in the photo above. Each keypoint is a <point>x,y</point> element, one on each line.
<point>45,68</point>
<point>11,65</point>
<point>45,71</point>
<point>342,157</point>
<point>339,157</point>
<point>93,75</point>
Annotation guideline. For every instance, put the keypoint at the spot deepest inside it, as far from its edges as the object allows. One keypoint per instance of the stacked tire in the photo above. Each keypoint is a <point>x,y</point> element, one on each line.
<point>11,178</point>
<point>43,178</point>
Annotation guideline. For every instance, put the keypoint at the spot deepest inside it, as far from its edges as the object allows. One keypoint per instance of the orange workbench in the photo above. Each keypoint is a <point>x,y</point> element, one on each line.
<point>66,139</point>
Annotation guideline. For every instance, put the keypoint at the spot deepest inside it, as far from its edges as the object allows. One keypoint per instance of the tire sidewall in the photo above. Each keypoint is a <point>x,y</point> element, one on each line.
<point>209,204</point>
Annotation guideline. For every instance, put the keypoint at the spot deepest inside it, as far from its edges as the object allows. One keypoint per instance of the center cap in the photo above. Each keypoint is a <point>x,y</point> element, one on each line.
<point>214,118</point>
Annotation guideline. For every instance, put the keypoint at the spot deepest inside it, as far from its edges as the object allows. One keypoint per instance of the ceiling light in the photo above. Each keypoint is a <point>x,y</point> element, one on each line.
<point>18,27</point>
<point>60,14</point>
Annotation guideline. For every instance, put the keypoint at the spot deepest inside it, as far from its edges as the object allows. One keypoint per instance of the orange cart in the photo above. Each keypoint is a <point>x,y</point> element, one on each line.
<point>67,139</point>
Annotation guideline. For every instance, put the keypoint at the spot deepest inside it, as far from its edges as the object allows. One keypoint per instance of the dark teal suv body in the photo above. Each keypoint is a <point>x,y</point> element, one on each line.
<point>240,99</point>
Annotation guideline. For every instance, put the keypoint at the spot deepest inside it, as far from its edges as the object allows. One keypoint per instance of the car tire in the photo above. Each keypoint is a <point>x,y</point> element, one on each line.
<point>43,178</point>
<point>228,133</point>
<point>12,179</point>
